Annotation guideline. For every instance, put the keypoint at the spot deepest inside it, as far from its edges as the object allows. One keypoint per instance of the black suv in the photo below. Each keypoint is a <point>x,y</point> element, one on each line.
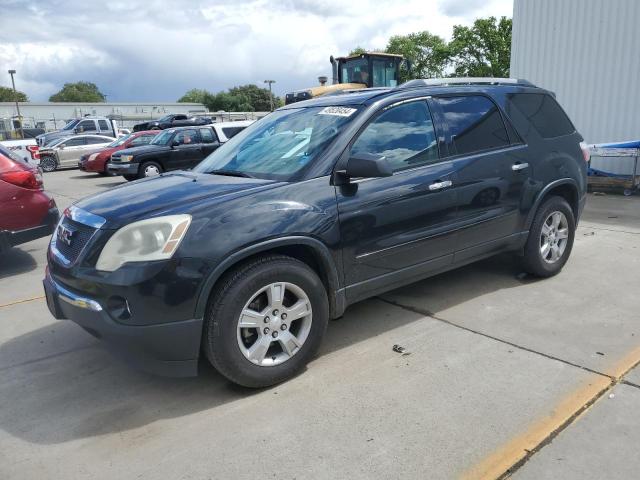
<point>172,120</point>
<point>173,149</point>
<point>318,205</point>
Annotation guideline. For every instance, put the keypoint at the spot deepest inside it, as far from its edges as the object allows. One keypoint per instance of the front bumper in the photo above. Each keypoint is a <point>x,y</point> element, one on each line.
<point>129,168</point>
<point>10,239</point>
<point>169,349</point>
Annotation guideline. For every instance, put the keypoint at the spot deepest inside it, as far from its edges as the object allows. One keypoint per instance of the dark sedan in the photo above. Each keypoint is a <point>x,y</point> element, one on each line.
<point>172,120</point>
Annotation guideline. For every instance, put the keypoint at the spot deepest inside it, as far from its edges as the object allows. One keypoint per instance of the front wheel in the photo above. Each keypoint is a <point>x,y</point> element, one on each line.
<point>550,238</point>
<point>48,163</point>
<point>265,321</point>
<point>130,178</point>
<point>149,169</point>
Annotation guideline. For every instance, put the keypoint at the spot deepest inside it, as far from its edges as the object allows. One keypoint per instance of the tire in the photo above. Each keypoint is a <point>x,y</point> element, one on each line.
<point>156,128</point>
<point>130,178</point>
<point>48,163</point>
<point>227,345</point>
<point>545,253</point>
<point>147,169</point>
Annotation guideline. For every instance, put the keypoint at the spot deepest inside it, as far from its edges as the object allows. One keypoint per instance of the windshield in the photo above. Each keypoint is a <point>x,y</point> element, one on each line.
<point>166,118</point>
<point>355,71</point>
<point>70,125</point>
<point>162,138</point>
<point>279,145</point>
<point>119,141</point>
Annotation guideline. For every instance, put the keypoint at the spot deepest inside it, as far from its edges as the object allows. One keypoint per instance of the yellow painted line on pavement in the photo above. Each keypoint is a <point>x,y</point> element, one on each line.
<point>569,408</point>
<point>24,300</point>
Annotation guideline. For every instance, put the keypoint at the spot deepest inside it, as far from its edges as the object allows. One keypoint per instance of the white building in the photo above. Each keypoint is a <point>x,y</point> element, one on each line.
<point>587,52</point>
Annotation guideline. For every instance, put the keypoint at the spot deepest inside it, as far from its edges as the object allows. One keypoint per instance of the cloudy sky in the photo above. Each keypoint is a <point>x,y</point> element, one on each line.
<point>156,50</point>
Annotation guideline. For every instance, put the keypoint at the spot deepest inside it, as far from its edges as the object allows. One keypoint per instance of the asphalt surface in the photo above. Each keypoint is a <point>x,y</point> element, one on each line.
<point>505,374</point>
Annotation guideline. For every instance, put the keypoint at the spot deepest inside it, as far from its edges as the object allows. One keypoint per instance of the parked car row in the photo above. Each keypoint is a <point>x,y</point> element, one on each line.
<point>172,120</point>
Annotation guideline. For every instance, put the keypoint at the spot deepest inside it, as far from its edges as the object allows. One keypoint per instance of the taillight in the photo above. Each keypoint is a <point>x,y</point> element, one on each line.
<point>586,151</point>
<point>23,178</point>
<point>33,150</point>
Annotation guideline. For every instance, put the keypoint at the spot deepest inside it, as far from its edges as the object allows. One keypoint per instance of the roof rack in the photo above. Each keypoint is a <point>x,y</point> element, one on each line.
<point>441,82</point>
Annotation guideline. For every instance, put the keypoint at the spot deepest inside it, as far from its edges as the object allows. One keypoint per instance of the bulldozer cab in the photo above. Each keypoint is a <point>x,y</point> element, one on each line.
<point>371,69</point>
<point>363,70</point>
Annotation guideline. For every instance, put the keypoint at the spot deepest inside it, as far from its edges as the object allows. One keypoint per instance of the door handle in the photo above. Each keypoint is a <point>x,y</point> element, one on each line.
<point>519,166</point>
<point>440,185</point>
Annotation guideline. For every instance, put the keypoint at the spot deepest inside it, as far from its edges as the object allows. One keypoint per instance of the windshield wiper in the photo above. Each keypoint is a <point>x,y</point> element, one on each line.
<point>230,173</point>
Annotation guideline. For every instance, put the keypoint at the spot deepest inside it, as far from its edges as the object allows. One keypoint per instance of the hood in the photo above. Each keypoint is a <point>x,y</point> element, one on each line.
<point>172,193</point>
<point>142,149</point>
<point>47,137</point>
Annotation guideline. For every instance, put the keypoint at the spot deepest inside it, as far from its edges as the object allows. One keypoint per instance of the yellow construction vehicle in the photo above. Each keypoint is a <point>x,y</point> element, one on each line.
<point>363,70</point>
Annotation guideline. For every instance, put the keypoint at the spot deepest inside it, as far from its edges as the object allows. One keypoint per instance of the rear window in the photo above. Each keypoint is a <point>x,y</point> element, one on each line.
<point>103,125</point>
<point>543,112</point>
<point>474,123</point>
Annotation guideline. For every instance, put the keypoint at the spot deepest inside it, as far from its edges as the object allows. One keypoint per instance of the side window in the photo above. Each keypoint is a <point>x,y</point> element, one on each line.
<point>403,134</point>
<point>474,122</point>
<point>231,132</point>
<point>180,117</point>
<point>87,126</point>
<point>543,112</point>
<point>95,140</point>
<point>75,142</point>
<point>103,125</point>
<point>141,140</point>
<point>186,137</point>
<point>207,135</point>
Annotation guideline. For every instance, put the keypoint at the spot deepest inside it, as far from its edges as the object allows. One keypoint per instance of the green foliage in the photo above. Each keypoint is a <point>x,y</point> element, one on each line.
<point>427,54</point>
<point>7,95</point>
<point>78,92</point>
<point>483,50</point>
<point>195,95</point>
<point>243,98</point>
<point>357,51</point>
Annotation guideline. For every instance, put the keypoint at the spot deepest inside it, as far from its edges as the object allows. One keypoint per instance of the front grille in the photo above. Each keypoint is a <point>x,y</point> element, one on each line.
<point>81,236</point>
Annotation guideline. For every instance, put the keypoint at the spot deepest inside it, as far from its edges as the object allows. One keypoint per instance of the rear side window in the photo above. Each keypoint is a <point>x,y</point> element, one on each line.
<point>75,142</point>
<point>86,126</point>
<point>207,135</point>
<point>543,112</point>
<point>103,125</point>
<point>231,132</point>
<point>474,123</point>
<point>403,134</point>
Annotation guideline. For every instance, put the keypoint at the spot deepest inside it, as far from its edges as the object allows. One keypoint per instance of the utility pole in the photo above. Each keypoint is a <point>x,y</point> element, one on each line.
<point>15,97</point>
<point>270,94</point>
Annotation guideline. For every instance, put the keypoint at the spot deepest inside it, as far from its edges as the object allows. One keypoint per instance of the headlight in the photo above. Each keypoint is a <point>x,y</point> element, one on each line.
<point>126,158</point>
<point>92,156</point>
<point>144,241</point>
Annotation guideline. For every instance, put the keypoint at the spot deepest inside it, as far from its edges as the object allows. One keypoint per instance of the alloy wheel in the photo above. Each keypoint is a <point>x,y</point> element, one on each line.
<point>554,237</point>
<point>274,324</point>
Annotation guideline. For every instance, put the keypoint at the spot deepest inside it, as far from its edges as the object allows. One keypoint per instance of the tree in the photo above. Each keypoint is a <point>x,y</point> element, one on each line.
<point>78,92</point>
<point>427,54</point>
<point>195,95</point>
<point>244,98</point>
<point>357,51</point>
<point>483,50</point>
<point>7,95</point>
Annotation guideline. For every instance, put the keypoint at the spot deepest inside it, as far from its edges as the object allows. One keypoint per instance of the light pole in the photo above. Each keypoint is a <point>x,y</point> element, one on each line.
<point>270,95</point>
<point>15,97</point>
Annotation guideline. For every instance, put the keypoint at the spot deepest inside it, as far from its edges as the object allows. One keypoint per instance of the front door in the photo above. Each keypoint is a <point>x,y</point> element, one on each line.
<point>396,229</point>
<point>491,170</point>
<point>187,150</point>
<point>73,149</point>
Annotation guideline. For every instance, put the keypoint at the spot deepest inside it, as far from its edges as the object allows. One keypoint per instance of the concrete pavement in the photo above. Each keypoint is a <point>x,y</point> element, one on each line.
<point>500,366</point>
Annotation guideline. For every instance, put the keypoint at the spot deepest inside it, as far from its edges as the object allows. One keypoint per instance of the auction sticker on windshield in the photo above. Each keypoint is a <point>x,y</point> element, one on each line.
<point>338,111</point>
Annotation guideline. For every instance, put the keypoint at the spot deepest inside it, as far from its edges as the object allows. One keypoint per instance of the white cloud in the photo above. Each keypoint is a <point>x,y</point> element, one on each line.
<point>158,49</point>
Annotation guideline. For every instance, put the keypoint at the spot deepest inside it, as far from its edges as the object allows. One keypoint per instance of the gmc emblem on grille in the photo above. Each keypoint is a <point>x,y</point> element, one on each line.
<point>65,234</point>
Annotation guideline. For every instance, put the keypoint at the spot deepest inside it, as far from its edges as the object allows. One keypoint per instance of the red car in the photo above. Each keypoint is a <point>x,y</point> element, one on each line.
<point>97,160</point>
<point>26,211</point>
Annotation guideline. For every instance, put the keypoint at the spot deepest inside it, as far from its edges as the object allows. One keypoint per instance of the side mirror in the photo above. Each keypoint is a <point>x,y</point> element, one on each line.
<point>368,165</point>
<point>175,143</point>
<point>62,146</point>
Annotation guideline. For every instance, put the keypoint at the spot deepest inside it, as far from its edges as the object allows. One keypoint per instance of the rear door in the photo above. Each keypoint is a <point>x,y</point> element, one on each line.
<point>491,172</point>
<point>209,141</point>
<point>187,152</point>
<point>395,229</point>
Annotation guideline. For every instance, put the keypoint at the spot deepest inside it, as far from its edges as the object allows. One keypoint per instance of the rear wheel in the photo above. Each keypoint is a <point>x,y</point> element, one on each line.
<point>149,169</point>
<point>130,178</point>
<point>265,321</point>
<point>48,163</point>
<point>550,238</point>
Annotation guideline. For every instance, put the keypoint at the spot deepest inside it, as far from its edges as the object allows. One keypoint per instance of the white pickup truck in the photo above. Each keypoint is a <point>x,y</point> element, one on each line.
<point>27,149</point>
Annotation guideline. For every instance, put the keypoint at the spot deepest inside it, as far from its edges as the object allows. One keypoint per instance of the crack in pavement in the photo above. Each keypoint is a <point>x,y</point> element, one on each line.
<point>48,357</point>
<point>24,300</point>
<point>518,462</point>
<point>591,227</point>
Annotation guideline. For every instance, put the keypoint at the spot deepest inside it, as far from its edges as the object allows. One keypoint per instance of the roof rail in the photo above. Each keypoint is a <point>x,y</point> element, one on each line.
<point>441,82</point>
